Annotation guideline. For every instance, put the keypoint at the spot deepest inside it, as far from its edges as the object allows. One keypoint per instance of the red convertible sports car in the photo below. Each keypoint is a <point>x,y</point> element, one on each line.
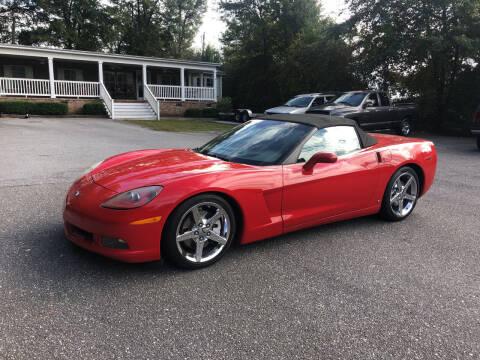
<point>264,178</point>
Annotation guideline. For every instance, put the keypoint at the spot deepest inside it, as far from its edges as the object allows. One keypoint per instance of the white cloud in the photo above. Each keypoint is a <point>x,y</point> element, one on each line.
<point>213,27</point>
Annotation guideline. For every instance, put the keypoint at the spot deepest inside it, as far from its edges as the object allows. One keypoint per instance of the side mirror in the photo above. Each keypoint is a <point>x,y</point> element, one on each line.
<point>368,103</point>
<point>320,157</point>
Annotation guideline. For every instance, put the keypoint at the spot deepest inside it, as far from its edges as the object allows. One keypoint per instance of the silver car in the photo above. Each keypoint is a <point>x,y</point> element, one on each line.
<point>301,104</point>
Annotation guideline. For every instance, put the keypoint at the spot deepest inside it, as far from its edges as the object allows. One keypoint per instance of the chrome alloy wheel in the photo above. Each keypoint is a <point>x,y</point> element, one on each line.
<point>203,232</point>
<point>404,194</point>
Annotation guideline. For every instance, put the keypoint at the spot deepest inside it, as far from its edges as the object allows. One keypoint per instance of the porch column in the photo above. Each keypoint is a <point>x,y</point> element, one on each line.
<point>144,74</point>
<point>215,84</point>
<point>100,72</point>
<point>182,82</point>
<point>51,76</point>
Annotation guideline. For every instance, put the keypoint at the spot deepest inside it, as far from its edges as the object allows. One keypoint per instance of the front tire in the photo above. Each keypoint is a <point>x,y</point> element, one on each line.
<point>478,142</point>
<point>401,195</point>
<point>199,232</point>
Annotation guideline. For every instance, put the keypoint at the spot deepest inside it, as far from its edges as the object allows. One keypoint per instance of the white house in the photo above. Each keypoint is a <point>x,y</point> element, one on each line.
<point>128,85</point>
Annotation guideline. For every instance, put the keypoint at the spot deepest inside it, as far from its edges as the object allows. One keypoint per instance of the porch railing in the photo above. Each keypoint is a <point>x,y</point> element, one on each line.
<point>76,88</point>
<point>166,91</point>
<point>199,93</point>
<point>108,101</point>
<point>25,87</point>
<point>153,102</point>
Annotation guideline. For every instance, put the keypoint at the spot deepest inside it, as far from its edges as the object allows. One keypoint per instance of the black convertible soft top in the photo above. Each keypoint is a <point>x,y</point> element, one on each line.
<point>323,121</point>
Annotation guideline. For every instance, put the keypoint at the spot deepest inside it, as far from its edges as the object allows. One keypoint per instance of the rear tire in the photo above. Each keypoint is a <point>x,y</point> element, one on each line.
<point>245,117</point>
<point>405,127</point>
<point>199,232</point>
<point>401,195</point>
<point>478,142</point>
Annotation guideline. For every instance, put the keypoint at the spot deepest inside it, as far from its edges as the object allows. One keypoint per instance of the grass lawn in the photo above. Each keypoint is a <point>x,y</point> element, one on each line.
<point>181,125</point>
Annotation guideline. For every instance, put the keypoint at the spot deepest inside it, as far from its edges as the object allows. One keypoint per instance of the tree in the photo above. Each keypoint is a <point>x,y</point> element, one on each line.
<point>421,48</point>
<point>274,49</point>
<point>182,18</point>
<point>207,54</point>
<point>138,27</point>
<point>15,16</point>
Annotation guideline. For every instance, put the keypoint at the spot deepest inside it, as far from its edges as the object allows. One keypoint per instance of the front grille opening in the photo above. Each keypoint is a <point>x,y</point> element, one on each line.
<point>80,232</point>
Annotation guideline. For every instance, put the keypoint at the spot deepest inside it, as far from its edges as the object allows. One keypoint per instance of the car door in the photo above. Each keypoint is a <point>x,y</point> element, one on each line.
<point>330,189</point>
<point>371,115</point>
<point>387,113</point>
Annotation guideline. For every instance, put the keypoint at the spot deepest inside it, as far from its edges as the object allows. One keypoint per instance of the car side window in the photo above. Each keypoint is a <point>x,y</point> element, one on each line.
<point>374,98</point>
<point>318,101</point>
<point>340,140</point>
<point>384,99</point>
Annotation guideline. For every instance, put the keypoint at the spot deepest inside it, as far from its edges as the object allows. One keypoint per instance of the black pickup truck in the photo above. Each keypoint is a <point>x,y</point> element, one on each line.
<point>372,110</point>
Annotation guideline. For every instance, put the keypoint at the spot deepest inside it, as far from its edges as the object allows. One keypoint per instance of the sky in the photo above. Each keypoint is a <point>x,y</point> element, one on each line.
<point>213,27</point>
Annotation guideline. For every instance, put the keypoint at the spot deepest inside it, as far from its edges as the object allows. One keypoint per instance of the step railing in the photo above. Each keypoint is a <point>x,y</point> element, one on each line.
<point>108,101</point>
<point>152,101</point>
<point>25,87</point>
<point>76,88</point>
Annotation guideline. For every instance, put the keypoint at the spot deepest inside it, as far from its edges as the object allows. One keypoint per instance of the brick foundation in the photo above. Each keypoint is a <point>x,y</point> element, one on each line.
<point>171,108</point>
<point>167,107</point>
<point>74,105</point>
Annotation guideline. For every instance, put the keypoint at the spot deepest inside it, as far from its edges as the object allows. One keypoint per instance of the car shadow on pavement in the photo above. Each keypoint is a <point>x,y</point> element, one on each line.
<point>46,255</point>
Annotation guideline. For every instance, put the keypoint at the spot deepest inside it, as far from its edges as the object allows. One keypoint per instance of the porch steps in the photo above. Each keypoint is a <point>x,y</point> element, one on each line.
<point>138,110</point>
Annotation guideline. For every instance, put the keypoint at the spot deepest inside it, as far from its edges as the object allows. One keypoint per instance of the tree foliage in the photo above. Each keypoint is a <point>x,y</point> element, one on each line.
<point>15,17</point>
<point>276,49</point>
<point>420,48</point>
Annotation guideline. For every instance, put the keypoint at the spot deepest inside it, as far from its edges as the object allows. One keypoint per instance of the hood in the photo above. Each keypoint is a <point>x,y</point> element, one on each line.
<point>155,167</point>
<point>286,110</point>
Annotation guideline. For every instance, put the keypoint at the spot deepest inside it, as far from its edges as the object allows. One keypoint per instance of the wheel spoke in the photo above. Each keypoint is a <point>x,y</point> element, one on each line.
<point>215,217</point>
<point>395,198</point>
<point>410,197</point>
<point>217,238</point>
<point>187,235</point>
<point>400,204</point>
<point>196,215</point>
<point>409,182</point>
<point>199,251</point>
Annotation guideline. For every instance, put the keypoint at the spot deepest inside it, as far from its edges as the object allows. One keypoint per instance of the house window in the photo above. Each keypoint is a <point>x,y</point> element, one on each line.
<point>18,71</point>
<point>70,74</point>
<point>209,82</point>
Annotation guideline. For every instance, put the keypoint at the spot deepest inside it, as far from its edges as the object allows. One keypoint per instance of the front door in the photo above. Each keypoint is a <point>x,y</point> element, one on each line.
<point>120,84</point>
<point>330,189</point>
<point>371,117</point>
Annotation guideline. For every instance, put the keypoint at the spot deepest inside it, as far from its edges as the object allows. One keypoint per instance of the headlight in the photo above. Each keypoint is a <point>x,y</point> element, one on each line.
<point>91,168</point>
<point>133,198</point>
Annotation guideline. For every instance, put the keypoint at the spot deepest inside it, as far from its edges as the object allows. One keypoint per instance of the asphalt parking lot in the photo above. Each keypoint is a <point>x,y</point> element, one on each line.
<point>357,289</point>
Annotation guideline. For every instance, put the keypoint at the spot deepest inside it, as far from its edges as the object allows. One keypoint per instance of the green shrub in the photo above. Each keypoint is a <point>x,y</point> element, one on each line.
<point>224,105</point>
<point>33,107</point>
<point>94,108</point>
<point>193,113</point>
<point>210,112</point>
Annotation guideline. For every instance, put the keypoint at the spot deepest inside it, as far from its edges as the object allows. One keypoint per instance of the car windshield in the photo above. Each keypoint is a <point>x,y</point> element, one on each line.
<point>302,101</point>
<point>351,99</point>
<point>257,142</point>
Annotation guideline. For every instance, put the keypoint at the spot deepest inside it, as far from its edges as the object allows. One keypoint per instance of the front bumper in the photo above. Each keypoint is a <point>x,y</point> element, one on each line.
<point>86,222</point>
<point>475,132</point>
